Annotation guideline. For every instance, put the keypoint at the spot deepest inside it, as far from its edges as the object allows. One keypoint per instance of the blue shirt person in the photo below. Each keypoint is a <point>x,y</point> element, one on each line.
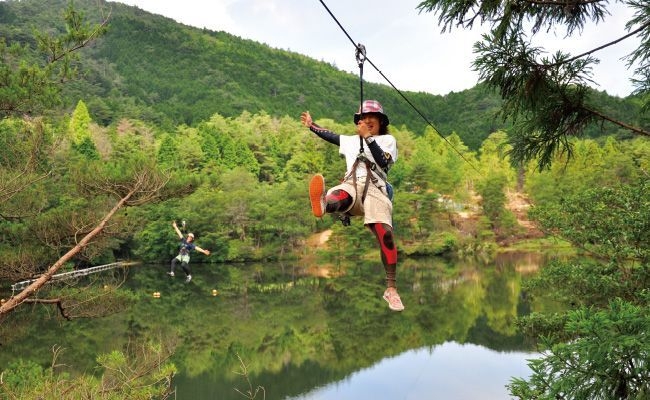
<point>186,247</point>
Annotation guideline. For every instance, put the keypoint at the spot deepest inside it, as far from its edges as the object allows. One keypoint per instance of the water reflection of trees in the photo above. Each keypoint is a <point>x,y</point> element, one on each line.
<point>295,330</point>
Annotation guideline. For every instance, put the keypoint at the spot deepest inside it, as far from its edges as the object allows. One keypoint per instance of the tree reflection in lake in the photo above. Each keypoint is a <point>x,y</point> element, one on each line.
<point>446,371</point>
<point>303,336</point>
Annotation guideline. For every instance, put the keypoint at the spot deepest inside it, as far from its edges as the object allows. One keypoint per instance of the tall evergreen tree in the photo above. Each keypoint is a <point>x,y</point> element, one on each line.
<point>31,86</point>
<point>547,98</point>
<point>167,154</point>
<point>80,123</point>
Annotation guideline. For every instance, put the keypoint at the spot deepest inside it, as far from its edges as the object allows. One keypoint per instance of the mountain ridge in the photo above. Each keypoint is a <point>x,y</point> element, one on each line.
<point>153,68</point>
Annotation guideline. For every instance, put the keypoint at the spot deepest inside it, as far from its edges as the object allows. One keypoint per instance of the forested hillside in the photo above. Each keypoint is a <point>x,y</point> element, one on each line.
<point>153,69</point>
<point>220,114</point>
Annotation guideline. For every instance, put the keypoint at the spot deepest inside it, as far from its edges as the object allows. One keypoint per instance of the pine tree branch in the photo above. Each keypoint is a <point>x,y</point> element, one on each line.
<point>562,3</point>
<point>98,31</point>
<point>641,28</point>
<point>619,123</point>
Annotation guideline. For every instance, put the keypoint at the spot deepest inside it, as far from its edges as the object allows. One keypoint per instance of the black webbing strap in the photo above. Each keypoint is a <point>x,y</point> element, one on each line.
<point>369,176</point>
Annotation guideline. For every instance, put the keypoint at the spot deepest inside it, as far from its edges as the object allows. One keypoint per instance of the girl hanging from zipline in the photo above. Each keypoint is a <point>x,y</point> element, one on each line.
<point>186,246</point>
<point>364,190</point>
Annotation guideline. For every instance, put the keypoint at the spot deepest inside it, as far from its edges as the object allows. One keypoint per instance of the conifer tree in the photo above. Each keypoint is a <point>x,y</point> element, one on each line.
<point>80,123</point>
<point>547,98</point>
<point>30,87</point>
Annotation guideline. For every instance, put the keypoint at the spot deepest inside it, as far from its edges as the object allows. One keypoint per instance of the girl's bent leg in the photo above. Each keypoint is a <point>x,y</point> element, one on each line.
<point>338,201</point>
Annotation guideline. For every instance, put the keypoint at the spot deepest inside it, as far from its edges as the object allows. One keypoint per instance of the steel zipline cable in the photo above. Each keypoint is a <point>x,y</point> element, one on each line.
<point>361,49</point>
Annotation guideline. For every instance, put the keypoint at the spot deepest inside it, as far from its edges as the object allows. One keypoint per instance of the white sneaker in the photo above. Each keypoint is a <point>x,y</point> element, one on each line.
<point>171,273</point>
<point>189,278</point>
<point>393,299</point>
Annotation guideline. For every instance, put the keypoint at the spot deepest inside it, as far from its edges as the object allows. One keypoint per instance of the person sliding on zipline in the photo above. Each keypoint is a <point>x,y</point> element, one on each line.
<point>364,190</point>
<point>186,246</point>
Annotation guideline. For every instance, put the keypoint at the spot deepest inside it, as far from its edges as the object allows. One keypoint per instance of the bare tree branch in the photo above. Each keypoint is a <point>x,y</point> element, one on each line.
<point>619,123</point>
<point>15,301</point>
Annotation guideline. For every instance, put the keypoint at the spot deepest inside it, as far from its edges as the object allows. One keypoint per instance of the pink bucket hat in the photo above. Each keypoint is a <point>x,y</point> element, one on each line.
<point>371,107</point>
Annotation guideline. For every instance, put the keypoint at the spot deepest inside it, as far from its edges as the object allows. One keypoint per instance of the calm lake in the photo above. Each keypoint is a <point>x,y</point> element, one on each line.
<point>308,332</point>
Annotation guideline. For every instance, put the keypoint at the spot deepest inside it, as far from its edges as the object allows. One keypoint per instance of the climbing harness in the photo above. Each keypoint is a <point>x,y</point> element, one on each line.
<point>373,174</point>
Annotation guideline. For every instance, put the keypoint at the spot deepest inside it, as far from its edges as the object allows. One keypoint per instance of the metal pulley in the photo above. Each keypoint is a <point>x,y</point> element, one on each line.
<point>360,54</point>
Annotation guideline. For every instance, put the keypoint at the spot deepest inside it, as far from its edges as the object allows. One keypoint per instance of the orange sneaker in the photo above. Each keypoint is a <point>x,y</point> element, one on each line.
<point>317,195</point>
<point>393,299</point>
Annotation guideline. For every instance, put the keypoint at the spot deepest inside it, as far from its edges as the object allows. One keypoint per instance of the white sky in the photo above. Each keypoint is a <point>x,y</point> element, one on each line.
<point>405,46</point>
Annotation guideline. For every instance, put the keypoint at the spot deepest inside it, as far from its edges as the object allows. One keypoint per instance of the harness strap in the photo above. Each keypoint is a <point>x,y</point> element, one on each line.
<point>345,217</point>
<point>367,184</point>
<point>369,175</point>
<point>354,183</point>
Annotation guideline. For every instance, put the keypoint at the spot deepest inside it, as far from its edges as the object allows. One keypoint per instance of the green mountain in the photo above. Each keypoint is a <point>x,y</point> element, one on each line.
<point>154,69</point>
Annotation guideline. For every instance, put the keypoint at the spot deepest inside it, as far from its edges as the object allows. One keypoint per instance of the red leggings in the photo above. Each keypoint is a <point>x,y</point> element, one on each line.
<point>384,235</point>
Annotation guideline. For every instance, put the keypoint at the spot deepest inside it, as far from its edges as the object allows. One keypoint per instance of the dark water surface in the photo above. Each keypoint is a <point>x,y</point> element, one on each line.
<point>311,333</point>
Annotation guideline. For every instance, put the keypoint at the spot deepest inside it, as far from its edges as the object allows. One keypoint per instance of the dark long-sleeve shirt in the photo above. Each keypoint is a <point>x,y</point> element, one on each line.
<point>382,158</point>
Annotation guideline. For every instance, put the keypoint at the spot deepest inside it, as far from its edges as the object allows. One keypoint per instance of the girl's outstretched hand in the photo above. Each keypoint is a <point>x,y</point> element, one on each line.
<point>305,118</point>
